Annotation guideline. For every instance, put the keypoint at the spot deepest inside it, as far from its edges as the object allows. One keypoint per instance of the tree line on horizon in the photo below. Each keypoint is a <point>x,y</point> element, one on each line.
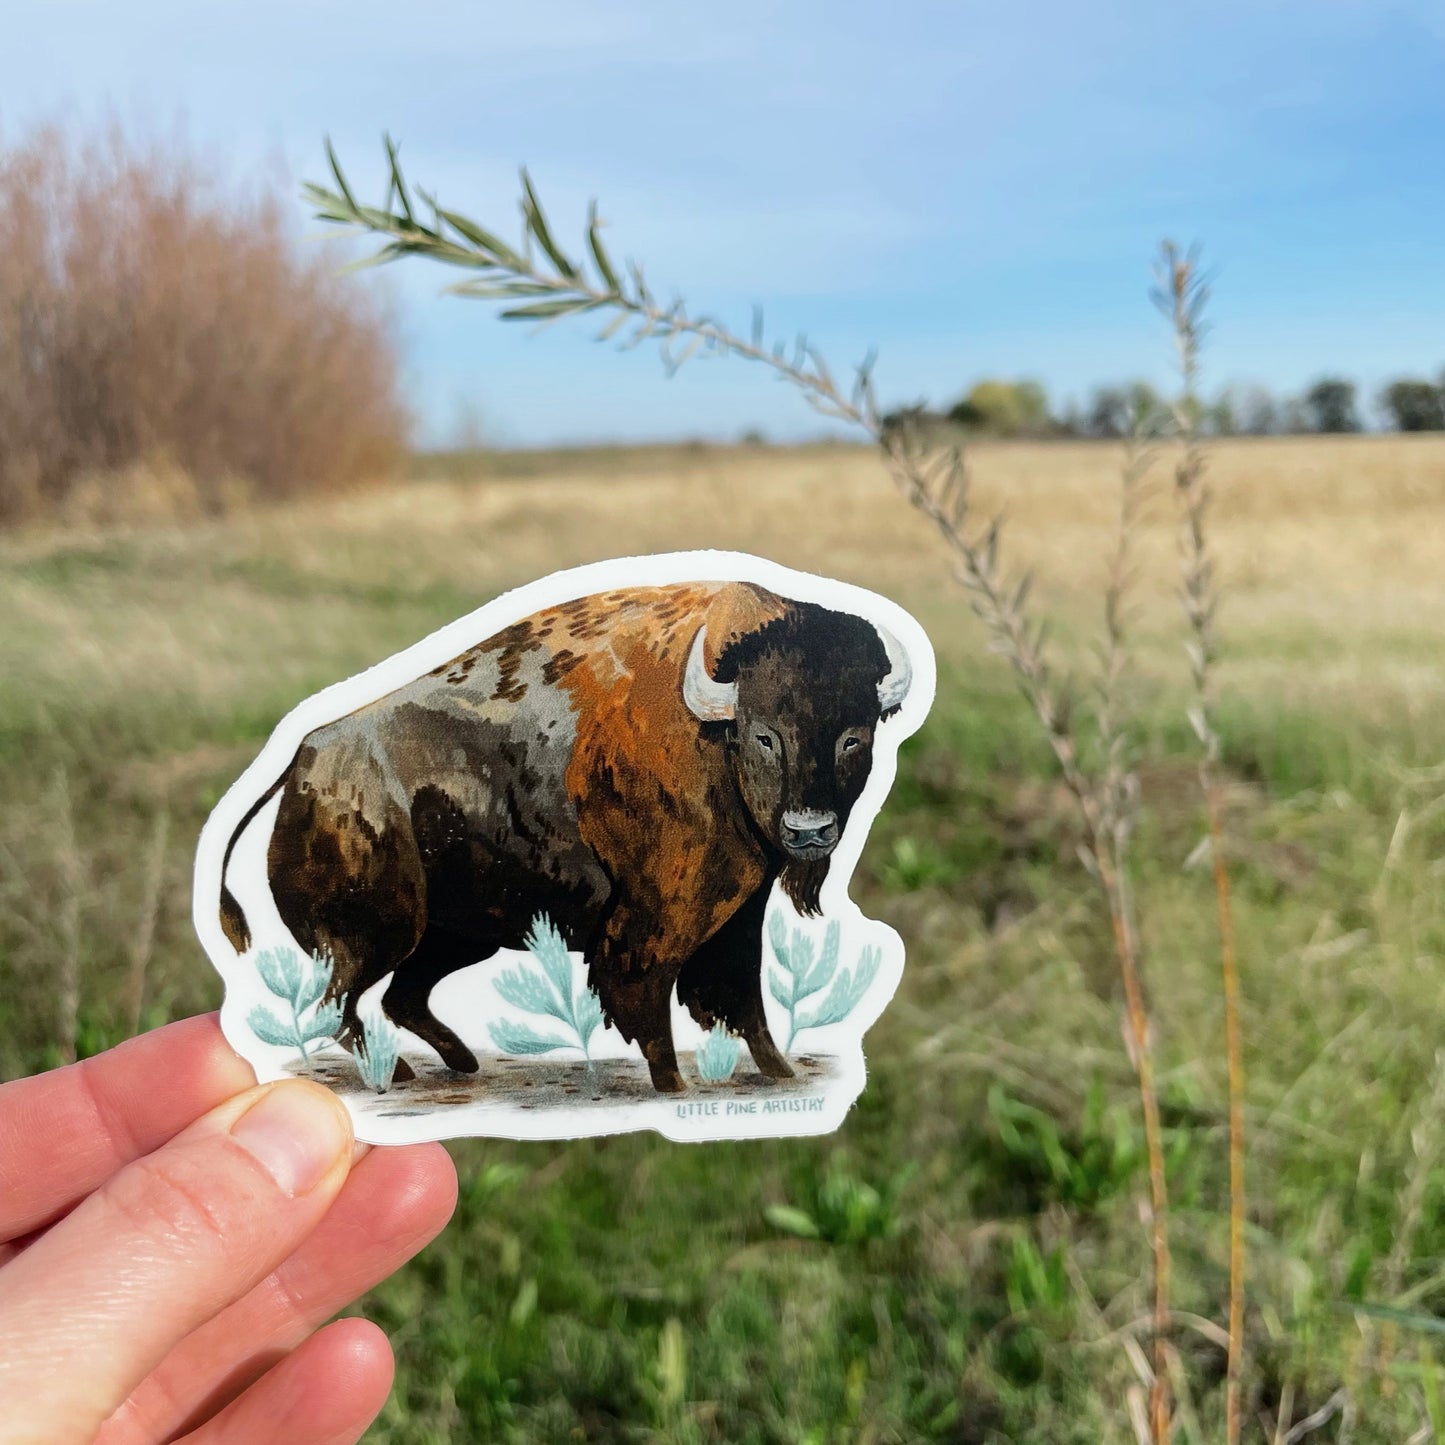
<point>1329,406</point>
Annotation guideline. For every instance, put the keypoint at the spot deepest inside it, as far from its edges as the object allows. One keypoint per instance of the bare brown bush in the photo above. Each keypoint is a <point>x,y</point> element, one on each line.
<point>154,325</point>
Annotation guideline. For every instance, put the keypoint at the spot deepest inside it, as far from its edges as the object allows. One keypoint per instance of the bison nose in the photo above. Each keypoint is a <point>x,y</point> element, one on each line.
<point>810,829</point>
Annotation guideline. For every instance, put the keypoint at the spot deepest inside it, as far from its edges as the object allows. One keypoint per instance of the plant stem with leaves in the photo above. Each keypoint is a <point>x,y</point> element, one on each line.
<point>541,282</point>
<point>143,941</point>
<point>377,1051</point>
<point>717,1056</point>
<point>300,984</point>
<point>1117,789</point>
<point>1182,293</point>
<point>552,991</point>
<point>67,991</point>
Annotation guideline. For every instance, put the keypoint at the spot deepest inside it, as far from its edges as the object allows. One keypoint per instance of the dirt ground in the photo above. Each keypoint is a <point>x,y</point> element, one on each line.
<point>549,1083</point>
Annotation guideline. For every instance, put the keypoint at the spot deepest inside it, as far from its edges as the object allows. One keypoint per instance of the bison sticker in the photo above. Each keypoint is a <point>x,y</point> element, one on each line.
<point>578,863</point>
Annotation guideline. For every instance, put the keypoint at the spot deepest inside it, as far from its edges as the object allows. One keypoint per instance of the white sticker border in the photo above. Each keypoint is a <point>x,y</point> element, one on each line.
<point>677,1117</point>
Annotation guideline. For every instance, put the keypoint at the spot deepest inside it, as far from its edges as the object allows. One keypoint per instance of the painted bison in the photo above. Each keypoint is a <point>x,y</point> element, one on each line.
<point>640,765</point>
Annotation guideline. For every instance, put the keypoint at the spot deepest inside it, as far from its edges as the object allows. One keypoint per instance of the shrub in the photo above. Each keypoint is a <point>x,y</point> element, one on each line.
<point>1005,408</point>
<point>1105,787</point>
<point>300,984</point>
<point>551,991</point>
<point>163,342</point>
<point>1256,412</point>
<point>377,1052</point>
<point>804,974</point>
<point>718,1056</point>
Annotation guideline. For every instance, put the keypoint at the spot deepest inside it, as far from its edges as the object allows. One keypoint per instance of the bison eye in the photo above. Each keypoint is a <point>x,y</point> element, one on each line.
<point>850,743</point>
<point>765,742</point>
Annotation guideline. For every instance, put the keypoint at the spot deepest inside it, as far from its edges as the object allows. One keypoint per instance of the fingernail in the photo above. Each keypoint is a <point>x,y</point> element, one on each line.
<point>296,1132</point>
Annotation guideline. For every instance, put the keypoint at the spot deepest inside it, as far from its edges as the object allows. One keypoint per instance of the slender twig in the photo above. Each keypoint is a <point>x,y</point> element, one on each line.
<point>1118,790</point>
<point>67,994</point>
<point>1335,1405</point>
<point>548,287</point>
<point>1126,945</point>
<point>1182,293</point>
<point>942,494</point>
<point>1284,1414</point>
<point>1427,1140</point>
<point>1120,781</point>
<point>143,943</point>
<point>542,283</point>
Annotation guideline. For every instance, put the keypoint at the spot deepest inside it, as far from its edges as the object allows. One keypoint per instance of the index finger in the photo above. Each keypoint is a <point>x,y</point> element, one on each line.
<point>63,1133</point>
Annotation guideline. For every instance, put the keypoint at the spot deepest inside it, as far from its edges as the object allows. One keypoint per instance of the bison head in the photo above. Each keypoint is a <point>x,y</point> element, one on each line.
<point>801,698</point>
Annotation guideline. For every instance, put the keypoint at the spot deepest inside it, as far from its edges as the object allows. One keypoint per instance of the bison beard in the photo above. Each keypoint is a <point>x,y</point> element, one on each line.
<point>803,883</point>
<point>556,768</point>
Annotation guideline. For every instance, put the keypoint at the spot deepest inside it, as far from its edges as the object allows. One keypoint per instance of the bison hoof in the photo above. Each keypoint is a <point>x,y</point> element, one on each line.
<point>771,1064</point>
<point>403,1072</point>
<point>460,1060</point>
<point>669,1082</point>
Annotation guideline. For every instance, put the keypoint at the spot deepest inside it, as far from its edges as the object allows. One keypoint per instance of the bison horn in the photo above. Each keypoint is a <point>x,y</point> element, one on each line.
<point>894,687</point>
<point>711,701</point>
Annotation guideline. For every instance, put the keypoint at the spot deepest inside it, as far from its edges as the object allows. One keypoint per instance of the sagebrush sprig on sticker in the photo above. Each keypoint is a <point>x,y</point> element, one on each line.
<point>845,995</point>
<point>804,972</point>
<point>717,1057</point>
<point>378,1048</point>
<point>300,983</point>
<point>553,990</point>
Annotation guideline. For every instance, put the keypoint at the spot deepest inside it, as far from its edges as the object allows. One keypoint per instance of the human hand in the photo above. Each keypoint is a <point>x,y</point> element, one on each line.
<point>170,1238</point>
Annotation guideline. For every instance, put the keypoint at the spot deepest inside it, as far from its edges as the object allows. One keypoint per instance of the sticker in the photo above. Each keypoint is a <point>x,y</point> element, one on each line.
<point>578,862</point>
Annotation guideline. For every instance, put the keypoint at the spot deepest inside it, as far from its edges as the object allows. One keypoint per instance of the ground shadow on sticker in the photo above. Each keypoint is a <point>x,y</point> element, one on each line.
<point>505,1083</point>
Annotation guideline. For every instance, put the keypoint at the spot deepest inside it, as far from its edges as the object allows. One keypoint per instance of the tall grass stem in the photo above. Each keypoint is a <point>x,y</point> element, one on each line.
<point>542,284</point>
<point>1182,294</point>
<point>72,885</point>
<point>143,943</point>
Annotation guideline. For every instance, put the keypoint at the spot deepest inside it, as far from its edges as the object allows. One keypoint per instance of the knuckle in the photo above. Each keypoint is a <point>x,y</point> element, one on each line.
<point>162,1200</point>
<point>295,1308</point>
<point>110,1120</point>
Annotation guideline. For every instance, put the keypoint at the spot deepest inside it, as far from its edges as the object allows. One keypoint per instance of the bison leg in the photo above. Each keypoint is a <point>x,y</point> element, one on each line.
<point>723,982</point>
<point>347,879</point>
<point>350,1032</point>
<point>635,990</point>
<point>353,973</point>
<point>407,1000</point>
<point>766,1054</point>
<point>641,1008</point>
<point>353,1031</point>
<point>653,1031</point>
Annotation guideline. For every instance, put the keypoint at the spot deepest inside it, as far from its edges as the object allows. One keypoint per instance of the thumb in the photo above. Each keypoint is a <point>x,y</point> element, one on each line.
<point>97,1302</point>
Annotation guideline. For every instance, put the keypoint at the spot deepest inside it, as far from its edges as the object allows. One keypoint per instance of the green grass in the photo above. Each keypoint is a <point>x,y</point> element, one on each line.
<point>963,1260</point>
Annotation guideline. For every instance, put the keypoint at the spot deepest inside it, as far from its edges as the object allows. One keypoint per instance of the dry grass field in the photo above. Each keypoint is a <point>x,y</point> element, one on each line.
<point>980,1270</point>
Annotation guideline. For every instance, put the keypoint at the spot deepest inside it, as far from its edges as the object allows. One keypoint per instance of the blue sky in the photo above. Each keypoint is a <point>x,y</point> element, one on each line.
<point>976,189</point>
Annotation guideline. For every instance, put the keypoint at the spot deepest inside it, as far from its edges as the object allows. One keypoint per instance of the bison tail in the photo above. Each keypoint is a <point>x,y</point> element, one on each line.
<point>233,917</point>
<point>233,921</point>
